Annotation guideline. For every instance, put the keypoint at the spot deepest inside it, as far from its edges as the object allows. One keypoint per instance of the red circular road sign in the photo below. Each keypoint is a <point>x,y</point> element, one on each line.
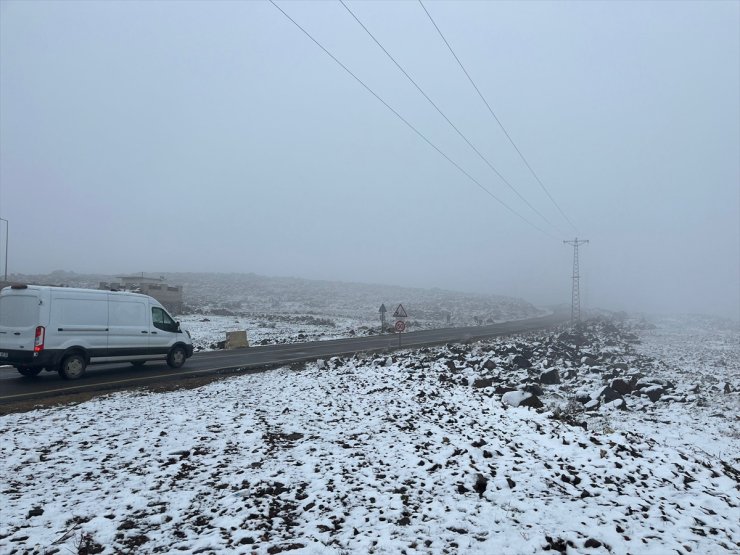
<point>400,326</point>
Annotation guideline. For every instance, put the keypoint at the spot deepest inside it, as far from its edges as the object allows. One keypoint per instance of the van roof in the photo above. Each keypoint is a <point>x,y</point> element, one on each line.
<point>11,291</point>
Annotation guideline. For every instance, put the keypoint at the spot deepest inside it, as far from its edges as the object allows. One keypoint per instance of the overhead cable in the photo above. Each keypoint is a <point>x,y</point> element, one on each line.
<point>496,118</point>
<point>414,129</point>
<point>481,156</point>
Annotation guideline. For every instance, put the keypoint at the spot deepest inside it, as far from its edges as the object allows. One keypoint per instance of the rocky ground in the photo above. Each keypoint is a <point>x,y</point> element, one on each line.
<point>611,439</point>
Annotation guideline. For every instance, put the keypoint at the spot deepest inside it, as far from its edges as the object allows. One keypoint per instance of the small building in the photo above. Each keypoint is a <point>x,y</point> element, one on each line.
<point>169,295</point>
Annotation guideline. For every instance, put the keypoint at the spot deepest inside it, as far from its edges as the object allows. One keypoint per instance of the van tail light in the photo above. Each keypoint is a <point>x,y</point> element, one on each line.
<point>38,342</point>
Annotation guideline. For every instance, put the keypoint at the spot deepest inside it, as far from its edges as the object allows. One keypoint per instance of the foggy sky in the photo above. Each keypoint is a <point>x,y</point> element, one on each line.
<point>167,136</point>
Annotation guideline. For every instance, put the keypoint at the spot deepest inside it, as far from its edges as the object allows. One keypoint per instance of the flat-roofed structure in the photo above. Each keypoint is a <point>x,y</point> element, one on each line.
<point>169,295</point>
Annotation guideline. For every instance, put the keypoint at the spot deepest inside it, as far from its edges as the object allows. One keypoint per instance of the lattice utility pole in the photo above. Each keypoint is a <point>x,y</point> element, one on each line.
<point>575,307</point>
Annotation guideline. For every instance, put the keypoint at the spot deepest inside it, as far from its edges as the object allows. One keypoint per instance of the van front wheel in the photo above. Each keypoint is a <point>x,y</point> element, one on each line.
<point>72,367</point>
<point>176,358</point>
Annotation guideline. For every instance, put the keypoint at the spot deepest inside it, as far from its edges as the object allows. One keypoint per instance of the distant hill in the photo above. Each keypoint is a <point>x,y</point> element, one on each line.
<point>253,294</point>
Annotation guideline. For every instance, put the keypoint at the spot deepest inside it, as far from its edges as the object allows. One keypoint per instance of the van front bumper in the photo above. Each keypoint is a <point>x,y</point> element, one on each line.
<point>28,359</point>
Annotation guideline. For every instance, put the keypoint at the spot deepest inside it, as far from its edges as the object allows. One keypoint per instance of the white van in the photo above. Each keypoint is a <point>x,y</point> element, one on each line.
<point>65,329</point>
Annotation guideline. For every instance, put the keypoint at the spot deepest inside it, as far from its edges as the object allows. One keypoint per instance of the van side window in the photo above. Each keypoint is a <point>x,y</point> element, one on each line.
<point>162,320</point>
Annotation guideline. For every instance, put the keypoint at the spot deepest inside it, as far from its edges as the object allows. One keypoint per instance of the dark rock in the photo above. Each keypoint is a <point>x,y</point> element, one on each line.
<point>727,388</point>
<point>533,388</point>
<point>521,361</point>
<point>501,389</point>
<point>590,542</point>
<point>521,399</point>
<point>620,386</point>
<point>532,402</point>
<point>607,395</point>
<point>489,365</point>
<point>481,483</point>
<point>570,374</point>
<point>451,365</point>
<point>589,361</point>
<point>36,511</point>
<point>551,377</point>
<point>654,393</point>
<point>576,338</point>
<point>483,382</point>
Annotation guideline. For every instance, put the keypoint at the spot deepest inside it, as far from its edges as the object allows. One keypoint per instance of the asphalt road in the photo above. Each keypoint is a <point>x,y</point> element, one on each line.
<point>15,388</point>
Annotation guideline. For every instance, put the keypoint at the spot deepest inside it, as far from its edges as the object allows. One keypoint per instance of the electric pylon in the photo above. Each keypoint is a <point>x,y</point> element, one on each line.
<point>575,307</point>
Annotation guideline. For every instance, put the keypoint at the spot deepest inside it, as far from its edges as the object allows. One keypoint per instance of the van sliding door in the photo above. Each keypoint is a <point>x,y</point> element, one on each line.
<point>81,321</point>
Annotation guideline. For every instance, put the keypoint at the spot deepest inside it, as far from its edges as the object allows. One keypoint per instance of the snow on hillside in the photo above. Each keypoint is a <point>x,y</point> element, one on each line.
<point>273,302</point>
<point>418,451</point>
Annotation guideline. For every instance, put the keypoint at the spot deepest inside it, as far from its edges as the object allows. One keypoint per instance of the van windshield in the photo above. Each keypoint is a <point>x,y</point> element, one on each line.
<point>19,311</point>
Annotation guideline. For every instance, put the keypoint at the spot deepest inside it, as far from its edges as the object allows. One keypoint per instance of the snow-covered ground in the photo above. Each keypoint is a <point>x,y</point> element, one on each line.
<point>208,330</point>
<point>416,452</point>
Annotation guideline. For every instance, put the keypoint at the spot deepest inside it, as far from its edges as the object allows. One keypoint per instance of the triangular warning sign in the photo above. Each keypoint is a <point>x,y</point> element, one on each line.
<point>400,312</point>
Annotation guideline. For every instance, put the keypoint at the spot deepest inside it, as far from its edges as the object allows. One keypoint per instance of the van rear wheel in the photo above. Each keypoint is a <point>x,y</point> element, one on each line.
<point>29,372</point>
<point>176,358</point>
<point>72,367</point>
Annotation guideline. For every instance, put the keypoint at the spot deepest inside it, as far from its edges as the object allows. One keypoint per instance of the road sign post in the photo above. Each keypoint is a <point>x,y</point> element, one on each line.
<point>382,311</point>
<point>400,326</point>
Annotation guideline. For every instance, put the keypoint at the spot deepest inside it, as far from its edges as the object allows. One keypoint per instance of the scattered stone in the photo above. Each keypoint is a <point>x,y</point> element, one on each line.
<point>481,483</point>
<point>489,365</point>
<point>521,399</point>
<point>503,389</point>
<point>607,395</point>
<point>619,404</point>
<point>621,386</point>
<point>654,393</point>
<point>521,361</point>
<point>533,388</point>
<point>483,382</point>
<point>551,377</point>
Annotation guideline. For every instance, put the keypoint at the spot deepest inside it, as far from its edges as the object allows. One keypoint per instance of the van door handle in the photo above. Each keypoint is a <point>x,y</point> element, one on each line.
<point>154,333</point>
<point>144,331</point>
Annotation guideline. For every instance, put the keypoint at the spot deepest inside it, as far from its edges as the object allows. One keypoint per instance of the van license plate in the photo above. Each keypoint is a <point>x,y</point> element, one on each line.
<point>3,354</point>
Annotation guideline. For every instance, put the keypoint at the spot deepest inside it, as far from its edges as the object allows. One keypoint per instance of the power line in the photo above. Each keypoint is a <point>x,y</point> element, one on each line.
<point>414,129</point>
<point>501,125</point>
<point>481,156</point>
